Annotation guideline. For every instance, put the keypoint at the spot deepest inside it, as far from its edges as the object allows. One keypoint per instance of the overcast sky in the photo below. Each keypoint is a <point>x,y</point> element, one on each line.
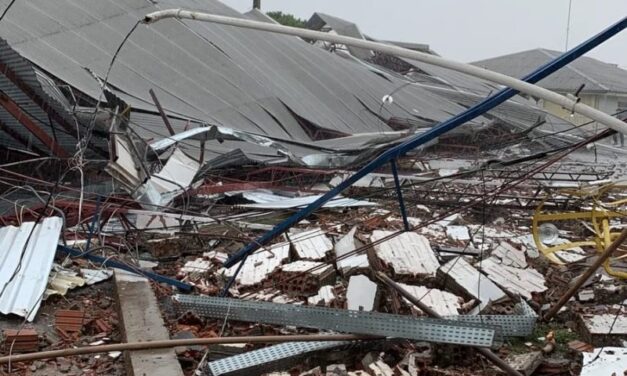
<point>470,30</point>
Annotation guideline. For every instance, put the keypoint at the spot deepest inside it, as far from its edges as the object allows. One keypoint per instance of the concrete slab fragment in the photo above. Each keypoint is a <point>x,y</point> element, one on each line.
<point>311,244</point>
<point>443,302</point>
<point>611,361</point>
<point>141,320</point>
<point>407,254</point>
<point>509,255</point>
<point>361,293</point>
<point>458,233</point>
<point>470,280</point>
<point>515,280</point>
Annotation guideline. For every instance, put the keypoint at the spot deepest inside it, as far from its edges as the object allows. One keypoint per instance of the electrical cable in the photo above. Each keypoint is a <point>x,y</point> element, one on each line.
<point>377,192</point>
<point>461,208</point>
<point>6,10</point>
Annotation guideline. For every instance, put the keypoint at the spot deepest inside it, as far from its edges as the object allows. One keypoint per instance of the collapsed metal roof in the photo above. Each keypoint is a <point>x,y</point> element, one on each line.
<point>31,115</point>
<point>239,78</point>
<point>324,107</point>
<point>598,76</point>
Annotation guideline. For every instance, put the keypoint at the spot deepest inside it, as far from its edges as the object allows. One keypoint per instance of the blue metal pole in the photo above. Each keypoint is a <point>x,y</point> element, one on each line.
<point>231,280</point>
<point>119,265</point>
<point>436,131</point>
<point>399,193</point>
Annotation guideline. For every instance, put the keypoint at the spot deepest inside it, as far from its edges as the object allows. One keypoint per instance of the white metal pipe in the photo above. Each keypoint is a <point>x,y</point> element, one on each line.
<point>519,85</point>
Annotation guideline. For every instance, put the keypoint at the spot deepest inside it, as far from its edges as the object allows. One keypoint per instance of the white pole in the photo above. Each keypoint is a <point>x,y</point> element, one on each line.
<point>521,86</point>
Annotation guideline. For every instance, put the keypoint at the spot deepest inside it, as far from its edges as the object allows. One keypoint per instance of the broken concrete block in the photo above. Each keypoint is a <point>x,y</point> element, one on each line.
<point>509,255</point>
<point>336,370</point>
<point>313,372</point>
<point>586,295</point>
<point>196,266</point>
<point>311,244</point>
<point>457,233</point>
<point>303,277</point>
<point>361,293</point>
<point>325,297</point>
<point>470,281</point>
<point>408,254</point>
<point>345,245</point>
<point>596,328</point>
<point>526,363</point>
<point>444,303</point>
<point>260,265</point>
<point>515,280</point>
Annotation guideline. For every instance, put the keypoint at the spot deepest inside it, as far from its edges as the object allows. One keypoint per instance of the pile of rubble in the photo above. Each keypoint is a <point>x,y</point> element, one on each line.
<point>186,230</point>
<point>352,268</point>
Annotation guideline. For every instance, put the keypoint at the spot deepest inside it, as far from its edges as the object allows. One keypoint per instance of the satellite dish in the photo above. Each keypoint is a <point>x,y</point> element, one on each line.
<point>388,99</point>
<point>548,233</point>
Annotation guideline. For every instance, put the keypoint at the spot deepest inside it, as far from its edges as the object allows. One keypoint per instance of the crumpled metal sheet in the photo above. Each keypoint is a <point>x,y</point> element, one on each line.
<point>272,358</point>
<point>61,279</point>
<point>176,175</point>
<point>265,199</point>
<point>256,82</point>
<point>359,147</point>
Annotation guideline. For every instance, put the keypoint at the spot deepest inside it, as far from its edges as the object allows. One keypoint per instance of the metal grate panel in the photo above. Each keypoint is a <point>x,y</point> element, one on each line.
<point>341,320</point>
<point>520,324</point>
<point>273,358</point>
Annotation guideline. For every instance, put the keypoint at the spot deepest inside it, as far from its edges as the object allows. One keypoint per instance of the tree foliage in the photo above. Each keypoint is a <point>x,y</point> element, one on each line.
<point>286,19</point>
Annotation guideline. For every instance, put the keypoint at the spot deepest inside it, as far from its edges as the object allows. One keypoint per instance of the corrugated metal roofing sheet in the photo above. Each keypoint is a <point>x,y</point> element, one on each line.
<point>26,73</point>
<point>342,27</point>
<point>466,90</point>
<point>258,82</point>
<point>22,295</point>
<point>599,77</point>
<point>265,199</point>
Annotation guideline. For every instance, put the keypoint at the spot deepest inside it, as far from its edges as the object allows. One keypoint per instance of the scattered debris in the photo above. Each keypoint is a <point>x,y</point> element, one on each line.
<point>175,173</point>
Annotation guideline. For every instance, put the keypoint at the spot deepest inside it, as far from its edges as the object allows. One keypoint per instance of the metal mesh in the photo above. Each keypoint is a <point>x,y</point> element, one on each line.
<point>268,359</point>
<point>521,324</point>
<point>370,323</point>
